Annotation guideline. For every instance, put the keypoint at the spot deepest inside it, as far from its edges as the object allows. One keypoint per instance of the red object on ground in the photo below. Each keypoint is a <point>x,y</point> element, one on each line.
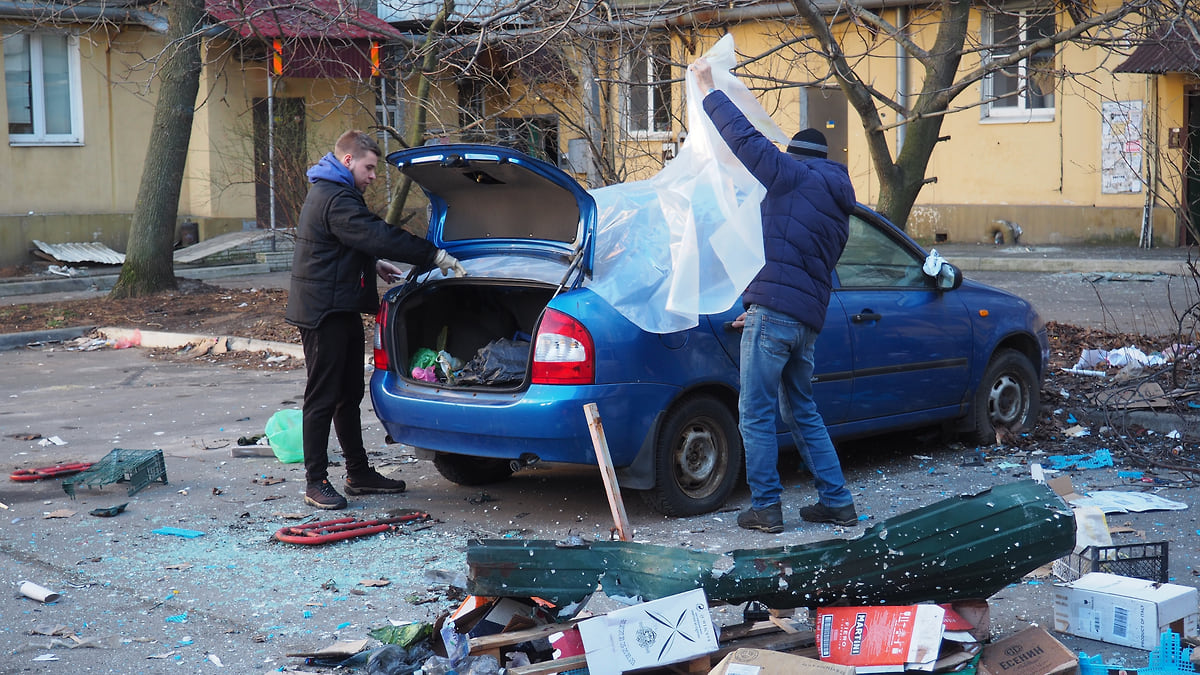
<point>341,528</point>
<point>50,471</point>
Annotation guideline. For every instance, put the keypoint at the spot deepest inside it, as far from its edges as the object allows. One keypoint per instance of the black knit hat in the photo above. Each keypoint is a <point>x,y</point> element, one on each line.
<point>809,143</point>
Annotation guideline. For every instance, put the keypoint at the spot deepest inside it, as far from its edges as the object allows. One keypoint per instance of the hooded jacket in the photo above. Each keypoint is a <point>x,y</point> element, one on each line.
<point>338,241</point>
<point>805,217</point>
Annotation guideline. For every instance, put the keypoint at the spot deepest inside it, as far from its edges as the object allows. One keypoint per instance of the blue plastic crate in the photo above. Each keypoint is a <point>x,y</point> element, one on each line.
<point>1170,658</point>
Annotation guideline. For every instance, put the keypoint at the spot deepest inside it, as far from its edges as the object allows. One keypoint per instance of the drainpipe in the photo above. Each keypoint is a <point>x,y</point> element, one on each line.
<point>902,62</point>
<point>1150,161</point>
<point>42,11</point>
<point>271,143</point>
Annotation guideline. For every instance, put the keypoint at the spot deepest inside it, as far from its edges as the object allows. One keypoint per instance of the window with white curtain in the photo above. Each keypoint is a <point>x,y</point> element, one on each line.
<point>42,89</point>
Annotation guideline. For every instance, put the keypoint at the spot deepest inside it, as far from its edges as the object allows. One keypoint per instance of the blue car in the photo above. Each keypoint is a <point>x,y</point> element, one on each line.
<point>490,373</point>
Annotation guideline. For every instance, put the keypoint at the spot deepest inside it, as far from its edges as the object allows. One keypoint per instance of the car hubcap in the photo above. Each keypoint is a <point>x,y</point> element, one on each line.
<point>697,459</point>
<point>1006,401</point>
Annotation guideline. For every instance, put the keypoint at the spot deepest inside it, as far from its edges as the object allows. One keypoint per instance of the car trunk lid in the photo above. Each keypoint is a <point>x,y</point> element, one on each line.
<point>487,200</point>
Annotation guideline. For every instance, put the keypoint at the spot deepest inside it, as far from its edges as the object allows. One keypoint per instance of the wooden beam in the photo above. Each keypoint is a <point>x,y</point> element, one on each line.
<point>607,472</point>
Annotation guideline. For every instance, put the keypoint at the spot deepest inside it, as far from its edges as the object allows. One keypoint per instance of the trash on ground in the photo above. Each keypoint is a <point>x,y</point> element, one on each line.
<point>1124,611</point>
<point>338,529</point>
<point>668,630</point>
<point>1114,501</point>
<point>767,662</point>
<point>178,532</point>
<point>1032,651</point>
<point>963,547</point>
<point>342,648</point>
<point>285,431</point>
<point>52,440</point>
<point>1169,658</point>
<point>1101,458</point>
<point>1141,560</point>
<point>37,592</point>
<point>881,639</point>
<point>139,468</point>
<point>108,511</point>
<point>59,513</point>
<point>56,471</point>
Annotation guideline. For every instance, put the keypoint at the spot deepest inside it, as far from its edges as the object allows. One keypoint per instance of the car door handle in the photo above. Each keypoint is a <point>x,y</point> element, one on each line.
<point>865,316</point>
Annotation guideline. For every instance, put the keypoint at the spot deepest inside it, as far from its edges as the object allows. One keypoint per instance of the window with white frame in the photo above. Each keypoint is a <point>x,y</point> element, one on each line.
<point>42,89</point>
<point>648,92</point>
<point>1023,90</point>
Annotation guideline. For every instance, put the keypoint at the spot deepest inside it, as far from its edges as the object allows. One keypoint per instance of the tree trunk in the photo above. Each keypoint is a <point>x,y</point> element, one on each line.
<point>149,266</point>
<point>416,127</point>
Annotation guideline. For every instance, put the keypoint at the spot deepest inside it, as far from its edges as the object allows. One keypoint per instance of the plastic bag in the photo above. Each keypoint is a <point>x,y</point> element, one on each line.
<point>285,431</point>
<point>498,362</point>
<point>423,358</point>
<point>689,240</point>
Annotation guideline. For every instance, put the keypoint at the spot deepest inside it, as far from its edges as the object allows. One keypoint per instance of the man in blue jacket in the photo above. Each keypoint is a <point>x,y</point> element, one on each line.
<point>339,243</point>
<point>805,221</point>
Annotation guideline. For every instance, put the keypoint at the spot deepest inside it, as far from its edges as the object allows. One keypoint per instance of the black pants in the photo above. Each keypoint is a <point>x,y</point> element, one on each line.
<point>333,358</point>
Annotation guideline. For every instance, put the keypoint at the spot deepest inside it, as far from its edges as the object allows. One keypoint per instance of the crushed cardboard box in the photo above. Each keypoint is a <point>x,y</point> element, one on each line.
<point>656,633</point>
<point>1032,651</point>
<point>887,638</point>
<point>765,662</point>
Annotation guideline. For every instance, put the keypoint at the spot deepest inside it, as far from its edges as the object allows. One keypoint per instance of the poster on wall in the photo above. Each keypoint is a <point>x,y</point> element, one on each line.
<point>1121,147</point>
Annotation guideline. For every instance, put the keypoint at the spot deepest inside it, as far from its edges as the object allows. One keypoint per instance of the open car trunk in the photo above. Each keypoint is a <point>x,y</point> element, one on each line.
<point>477,332</point>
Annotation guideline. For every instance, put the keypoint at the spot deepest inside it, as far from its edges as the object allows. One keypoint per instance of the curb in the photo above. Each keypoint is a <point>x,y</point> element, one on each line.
<point>17,340</point>
<point>1076,265</point>
<point>157,339</point>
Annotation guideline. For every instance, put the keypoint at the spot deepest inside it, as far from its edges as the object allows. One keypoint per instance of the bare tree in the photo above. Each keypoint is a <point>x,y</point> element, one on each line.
<point>149,266</point>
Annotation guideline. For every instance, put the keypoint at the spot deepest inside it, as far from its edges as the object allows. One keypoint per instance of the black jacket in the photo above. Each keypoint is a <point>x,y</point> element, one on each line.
<point>337,243</point>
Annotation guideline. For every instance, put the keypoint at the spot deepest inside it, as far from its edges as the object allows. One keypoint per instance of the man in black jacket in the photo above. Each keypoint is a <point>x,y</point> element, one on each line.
<point>339,243</point>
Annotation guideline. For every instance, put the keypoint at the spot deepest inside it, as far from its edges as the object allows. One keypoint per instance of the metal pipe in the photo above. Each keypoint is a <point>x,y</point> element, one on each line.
<point>41,11</point>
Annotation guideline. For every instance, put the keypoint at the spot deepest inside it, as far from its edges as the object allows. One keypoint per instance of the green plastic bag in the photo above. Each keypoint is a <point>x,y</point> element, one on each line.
<point>285,431</point>
<point>424,358</point>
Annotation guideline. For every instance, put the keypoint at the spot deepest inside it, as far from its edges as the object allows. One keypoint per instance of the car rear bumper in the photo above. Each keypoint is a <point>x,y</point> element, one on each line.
<point>543,420</point>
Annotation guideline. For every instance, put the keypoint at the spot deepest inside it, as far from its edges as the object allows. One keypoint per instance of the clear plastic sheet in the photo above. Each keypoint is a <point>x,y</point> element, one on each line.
<point>687,241</point>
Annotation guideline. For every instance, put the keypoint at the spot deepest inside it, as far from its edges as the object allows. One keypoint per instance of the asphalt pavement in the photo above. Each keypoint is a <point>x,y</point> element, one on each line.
<point>188,578</point>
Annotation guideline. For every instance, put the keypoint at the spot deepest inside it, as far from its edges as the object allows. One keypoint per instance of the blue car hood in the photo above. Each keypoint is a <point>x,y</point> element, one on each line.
<point>490,200</point>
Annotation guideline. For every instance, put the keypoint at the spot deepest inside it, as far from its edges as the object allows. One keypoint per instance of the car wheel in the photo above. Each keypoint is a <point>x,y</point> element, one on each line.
<point>1007,398</point>
<point>467,470</point>
<point>698,458</point>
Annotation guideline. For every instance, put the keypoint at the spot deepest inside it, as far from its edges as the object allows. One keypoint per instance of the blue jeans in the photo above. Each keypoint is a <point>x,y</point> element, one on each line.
<point>776,375</point>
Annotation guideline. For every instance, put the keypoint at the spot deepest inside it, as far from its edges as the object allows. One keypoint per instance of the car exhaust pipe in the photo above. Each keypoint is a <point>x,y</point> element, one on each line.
<point>527,459</point>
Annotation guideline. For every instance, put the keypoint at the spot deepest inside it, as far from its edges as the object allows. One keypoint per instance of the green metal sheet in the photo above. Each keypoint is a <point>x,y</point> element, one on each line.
<point>969,546</point>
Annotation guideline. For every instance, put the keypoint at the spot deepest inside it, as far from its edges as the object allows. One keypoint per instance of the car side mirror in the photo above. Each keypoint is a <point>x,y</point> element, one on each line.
<point>949,277</point>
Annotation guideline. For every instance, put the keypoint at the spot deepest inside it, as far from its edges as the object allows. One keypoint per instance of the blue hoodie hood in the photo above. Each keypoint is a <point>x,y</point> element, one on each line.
<point>330,169</point>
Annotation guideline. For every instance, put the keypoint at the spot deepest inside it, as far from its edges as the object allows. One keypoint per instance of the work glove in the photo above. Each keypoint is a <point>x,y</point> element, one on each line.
<point>447,262</point>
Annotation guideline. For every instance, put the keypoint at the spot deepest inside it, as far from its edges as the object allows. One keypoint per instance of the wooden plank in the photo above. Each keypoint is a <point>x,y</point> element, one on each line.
<point>555,666</point>
<point>777,641</point>
<point>607,472</point>
<point>486,643</point>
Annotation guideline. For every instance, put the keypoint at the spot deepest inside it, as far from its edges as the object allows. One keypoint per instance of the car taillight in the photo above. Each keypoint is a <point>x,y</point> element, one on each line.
<point>562,351</point>
<point>381,357</point>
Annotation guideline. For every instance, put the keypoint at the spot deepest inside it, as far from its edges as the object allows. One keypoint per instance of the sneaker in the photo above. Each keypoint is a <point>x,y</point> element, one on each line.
<point>372,482</point>
<point>323,496</point>
<point>768,519</point>
<point>845,516</point>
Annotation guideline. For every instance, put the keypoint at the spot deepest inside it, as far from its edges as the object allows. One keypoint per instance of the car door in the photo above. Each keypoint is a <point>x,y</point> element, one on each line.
<point>911,343</point>
<point>833,363</point>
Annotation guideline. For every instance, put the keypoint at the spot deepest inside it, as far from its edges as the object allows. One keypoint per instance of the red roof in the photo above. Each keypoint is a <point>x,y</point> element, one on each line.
<point>321,19</point>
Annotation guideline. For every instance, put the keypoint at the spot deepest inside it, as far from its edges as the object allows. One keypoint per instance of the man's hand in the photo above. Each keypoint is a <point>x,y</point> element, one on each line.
<point>739,322</point>
<point>447,262</point>
<point>388,272</point>
<point>703,73</point>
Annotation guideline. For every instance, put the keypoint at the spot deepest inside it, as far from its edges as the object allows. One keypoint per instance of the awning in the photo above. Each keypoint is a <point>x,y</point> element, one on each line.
<point>1172,48</point>
<point>314,20</point>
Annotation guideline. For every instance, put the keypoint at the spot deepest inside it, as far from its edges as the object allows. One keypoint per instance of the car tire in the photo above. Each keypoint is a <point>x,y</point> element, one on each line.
<point>467,470</point>
<point>698,458</point>
<point>1007,397</point>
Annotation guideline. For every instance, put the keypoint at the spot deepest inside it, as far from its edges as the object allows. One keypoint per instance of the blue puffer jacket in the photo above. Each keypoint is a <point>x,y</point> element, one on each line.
<point>805,215</point>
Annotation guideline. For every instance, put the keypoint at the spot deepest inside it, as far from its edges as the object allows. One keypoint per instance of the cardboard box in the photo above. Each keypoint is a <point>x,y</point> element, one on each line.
<point>881,639</point>
<point>656,633</point>
<point>1123,610</point>
<point>1033,651</point>
<point>765,662</point>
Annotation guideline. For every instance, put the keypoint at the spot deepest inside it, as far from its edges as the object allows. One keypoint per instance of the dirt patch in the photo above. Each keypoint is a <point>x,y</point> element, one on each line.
<point>195,307</point>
